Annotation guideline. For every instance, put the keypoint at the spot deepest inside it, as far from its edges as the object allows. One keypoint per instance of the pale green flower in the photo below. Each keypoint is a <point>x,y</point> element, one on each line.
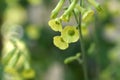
<point>10,70</point>
<point>15,14</point>
<point>28,74</point>
<point>96,5</point>
<point>11,74</point>
<point>70,34</point>
<point>85,31</point>
<point>87,15</point>
<point>69,10</point>
<point>60,43</point>
<point>55,25</point>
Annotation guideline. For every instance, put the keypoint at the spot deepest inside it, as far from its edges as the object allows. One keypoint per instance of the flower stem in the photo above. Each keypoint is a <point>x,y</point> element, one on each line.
<point>70,8</point>
<point>79,21</point>
<point>74,14</point>
<point>82,45</point>
<point>96,40</point>
<point>57,9</point>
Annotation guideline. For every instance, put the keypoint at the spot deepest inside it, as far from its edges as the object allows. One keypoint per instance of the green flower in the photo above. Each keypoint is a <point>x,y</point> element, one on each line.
<point>60,43</point>
<point>66,18</point>
<point>96,5</point>
<point>11,74</point>
<point>28,74</point>
<point>70,34</point>
<point>69,10</point>
<point>87,15</point>
<point>55,25</point>
<point>10,70</point>
<point>78,8</point>
<point>85,32</point>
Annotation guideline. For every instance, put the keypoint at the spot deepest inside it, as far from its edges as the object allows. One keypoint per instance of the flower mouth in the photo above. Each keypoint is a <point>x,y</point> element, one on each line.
<point>61,39</point>
<point>56,22</point>
<point>60,43</point>
<point>55,25</point>
<point>71,32</point>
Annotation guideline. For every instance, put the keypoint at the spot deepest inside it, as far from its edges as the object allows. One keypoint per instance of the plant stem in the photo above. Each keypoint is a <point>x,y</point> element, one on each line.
<point>79,21</point>
<point>96,40</point>
<point>79,61</point>
<point>57,9</point>
<point>82,45</point>
<point>74,14</point>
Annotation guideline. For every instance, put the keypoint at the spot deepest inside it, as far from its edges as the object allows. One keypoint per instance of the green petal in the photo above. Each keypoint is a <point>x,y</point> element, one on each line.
<point>60,43</point>
<point>55,25</point>
<point>70,34</point>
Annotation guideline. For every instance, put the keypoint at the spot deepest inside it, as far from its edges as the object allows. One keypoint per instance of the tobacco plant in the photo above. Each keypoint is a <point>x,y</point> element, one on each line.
<point>84,15</point>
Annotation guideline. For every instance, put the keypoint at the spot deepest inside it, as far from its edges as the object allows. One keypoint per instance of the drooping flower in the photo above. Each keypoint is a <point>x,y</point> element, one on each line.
<point>33,31</point>
<point>70,34</point>
<point>11,74</point>
<point>85,31</point>
<point>60,43</point>
<point>28,74</point>
<point>55,25</point>
<point>87,15</point>
<point>96,5</point>
<point>10,70</point>
<point>69,10</point>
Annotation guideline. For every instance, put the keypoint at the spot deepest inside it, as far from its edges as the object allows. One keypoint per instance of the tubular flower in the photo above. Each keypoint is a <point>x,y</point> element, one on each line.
<point>28,74</point>
<point>70,34</point>
<point>57,9</point>
<point>11,74</point>
<point>96,5</point>
<point>87,15</point>
<point>60,43</point>
<point>55,25</point>
<point>69,10</point>
<point>10,71</point>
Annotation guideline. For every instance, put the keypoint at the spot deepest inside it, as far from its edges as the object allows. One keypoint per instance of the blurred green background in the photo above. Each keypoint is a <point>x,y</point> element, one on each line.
<point>46,59</point>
